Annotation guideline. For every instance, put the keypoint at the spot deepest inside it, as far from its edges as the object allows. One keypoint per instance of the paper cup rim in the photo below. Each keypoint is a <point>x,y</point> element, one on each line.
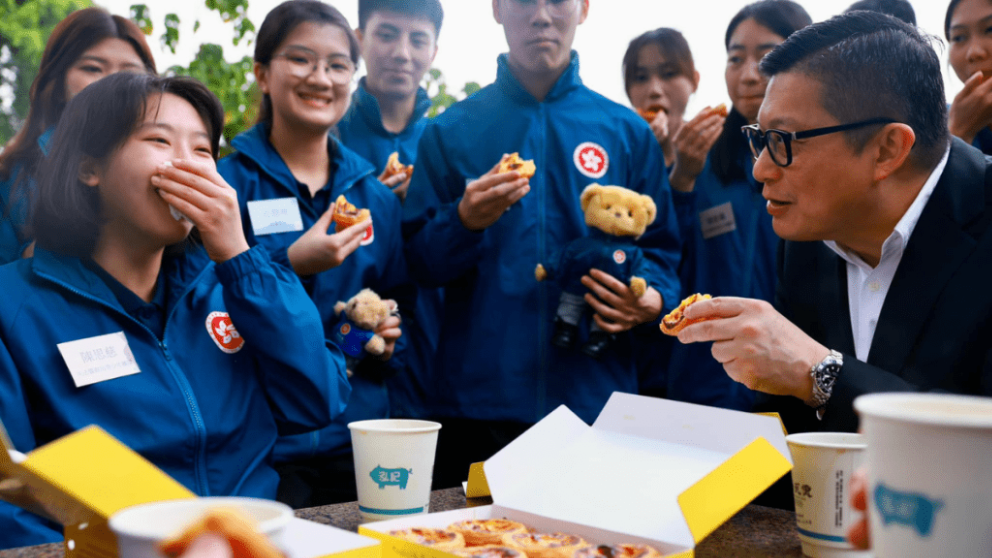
<point>912,408</point>
<point>410,426</point>
<point>822,440</point>
<point>119,521</point>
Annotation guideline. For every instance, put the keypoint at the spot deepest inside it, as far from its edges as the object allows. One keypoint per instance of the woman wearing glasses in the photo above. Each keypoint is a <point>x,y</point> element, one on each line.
<point>729,241</point>
<point>288,172</point>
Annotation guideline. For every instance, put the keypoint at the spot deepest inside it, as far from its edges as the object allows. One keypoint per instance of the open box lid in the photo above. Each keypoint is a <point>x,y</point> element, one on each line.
<point>651,468</point>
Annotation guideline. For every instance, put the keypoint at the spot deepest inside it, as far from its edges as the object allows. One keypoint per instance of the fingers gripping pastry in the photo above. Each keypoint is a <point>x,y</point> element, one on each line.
<point>617,551</point>
<point>435,538</point>
<point>486,531</point>
<point>650,113</point>
<point>489,551</point>
<point>546,545</point>
<point>513,162</point>
<point>394,166</point>
<point>346,214</point>
<point>238,531</point>
<point>676,321</point>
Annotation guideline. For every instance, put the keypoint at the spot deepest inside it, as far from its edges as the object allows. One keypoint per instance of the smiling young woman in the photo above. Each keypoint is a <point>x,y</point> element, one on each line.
<point>290,166</point>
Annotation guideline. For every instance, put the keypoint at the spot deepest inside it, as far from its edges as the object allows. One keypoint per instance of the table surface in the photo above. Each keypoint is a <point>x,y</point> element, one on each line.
<point>755,532</point>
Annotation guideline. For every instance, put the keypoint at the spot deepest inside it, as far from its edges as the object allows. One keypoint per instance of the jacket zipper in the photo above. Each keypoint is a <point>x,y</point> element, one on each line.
<point>199,461</point>
<point>542,289</point>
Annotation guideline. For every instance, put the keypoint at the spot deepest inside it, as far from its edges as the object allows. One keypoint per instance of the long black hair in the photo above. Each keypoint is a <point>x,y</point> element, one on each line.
<point>67,214</point>
<point>782,17</point>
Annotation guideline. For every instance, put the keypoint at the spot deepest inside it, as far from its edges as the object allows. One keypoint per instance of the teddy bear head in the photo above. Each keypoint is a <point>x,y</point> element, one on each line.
<point>617,211</point>
<point>366,309</point>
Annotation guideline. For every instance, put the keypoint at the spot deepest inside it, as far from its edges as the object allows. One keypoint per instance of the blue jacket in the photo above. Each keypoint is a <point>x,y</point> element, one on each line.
<point>983,140</point>
<point>495,359</point>
<point>739,262</point>
<point>361,130</point>
<point>207,417</point>
<point>257,172</point>
<point>15,210</point>
<point>616,255</point>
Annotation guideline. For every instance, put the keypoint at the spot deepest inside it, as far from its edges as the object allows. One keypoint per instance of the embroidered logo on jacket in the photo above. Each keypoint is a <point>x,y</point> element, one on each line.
<point>591,159</point>
<point>619,256</point>
<point>369,236</point>
<point>223,332</point>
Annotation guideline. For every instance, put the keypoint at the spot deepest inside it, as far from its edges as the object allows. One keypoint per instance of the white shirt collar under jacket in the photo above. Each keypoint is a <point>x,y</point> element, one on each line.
<point>867,286</point>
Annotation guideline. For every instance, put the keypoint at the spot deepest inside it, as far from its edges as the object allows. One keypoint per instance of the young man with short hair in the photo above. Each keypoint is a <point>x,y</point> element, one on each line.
<point>388,114</point>
<point>480,234</point>
<point>887,224</point>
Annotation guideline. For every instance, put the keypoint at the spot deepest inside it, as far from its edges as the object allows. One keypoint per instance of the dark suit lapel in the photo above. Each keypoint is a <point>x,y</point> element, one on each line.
<point>938,246</point>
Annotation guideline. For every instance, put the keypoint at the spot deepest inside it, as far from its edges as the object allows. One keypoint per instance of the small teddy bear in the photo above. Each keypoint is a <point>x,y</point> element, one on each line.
<point>616,217</point>
<point>355,334</point>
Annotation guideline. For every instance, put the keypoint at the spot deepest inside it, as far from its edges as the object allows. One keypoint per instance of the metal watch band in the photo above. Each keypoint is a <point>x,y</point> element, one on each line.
<point>824,375</point>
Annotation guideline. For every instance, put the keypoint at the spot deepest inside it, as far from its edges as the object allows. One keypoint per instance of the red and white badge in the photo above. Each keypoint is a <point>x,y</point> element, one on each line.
<point>223,332</point>
<point>619,256</point>
<point>591,159</point>
<point>369,236</point>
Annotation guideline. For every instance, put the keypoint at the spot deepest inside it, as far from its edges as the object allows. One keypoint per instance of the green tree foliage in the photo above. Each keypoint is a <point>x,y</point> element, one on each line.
<point>24,28</point>
<point>437,89</point>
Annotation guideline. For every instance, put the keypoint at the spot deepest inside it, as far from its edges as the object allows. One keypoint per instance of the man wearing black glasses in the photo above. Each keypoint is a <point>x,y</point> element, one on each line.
<point>502,365</point>
<point>884,272</point>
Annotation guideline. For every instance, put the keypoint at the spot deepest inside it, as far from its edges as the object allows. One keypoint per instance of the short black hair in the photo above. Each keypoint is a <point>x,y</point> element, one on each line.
<point>901,9</point>
<point>281,21</point>
<point>427,9</point>
<point>872,65</point>
<point>782,17</point>
<point>94,125</point>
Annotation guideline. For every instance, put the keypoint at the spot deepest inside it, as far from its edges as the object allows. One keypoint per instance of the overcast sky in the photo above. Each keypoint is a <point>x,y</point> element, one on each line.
<point>470,38</point>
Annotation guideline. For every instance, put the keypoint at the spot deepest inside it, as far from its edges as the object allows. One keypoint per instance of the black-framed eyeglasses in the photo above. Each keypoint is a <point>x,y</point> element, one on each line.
<point>302,62</point>
<point>779,142</point>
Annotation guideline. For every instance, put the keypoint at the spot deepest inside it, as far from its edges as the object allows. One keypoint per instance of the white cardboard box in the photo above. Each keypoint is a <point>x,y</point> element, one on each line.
<point>648,471</point>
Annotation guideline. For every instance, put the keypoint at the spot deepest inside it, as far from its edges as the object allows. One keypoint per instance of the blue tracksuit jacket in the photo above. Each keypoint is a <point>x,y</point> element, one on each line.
<point>207,417</point>
<point>257,172</point>
<point>495,359</point>
<point>15,209</point>
<point>739,262</point>
<point>361,131</point>
<point>616,255</point>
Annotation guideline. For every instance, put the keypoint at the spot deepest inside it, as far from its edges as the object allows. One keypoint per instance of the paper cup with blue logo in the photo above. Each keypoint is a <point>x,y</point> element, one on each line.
<point>929,474</point>
<point>394,466</point>
<point>823,463</point>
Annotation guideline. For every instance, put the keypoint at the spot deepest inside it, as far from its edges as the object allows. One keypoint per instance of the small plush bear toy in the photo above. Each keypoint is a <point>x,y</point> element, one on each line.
<point>616,217</point>
<point>355,333</point>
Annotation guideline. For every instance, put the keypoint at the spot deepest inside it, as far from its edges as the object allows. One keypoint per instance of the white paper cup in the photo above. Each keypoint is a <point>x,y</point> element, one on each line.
<point>823,464</point>
<point>929,474</point>
<point>394,466</point>
<point>141,528</point>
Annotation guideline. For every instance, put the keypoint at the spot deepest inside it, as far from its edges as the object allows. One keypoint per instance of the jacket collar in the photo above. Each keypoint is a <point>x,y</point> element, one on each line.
<point>368,107</point>
<point>945,236</point>
<point>255,145</point>
<point>511,86</point>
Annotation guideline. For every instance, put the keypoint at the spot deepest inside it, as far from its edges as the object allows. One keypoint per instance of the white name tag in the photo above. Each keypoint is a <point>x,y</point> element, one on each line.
<point>717,220</point>
<point>275,216</point>
<point>98,359</point>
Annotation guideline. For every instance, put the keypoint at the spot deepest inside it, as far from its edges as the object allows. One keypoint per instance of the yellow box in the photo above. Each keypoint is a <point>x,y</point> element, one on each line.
<point>82,479</point>
<point>649,471</point>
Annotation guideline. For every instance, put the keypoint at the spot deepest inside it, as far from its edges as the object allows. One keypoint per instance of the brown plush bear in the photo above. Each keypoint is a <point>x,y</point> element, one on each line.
<point>616,217</point>
<point>355,334</point>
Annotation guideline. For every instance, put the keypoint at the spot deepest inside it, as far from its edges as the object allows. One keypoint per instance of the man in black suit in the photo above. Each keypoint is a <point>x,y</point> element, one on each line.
<point>885,272</point>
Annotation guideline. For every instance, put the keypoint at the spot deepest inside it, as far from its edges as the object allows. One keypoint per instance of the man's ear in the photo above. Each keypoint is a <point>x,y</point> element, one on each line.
<point>585,11</point>
<point>496,15</point>
<point>361,38</point>
<point>261,77</point>
<point>89,172</point>
<point>695,80</point>
<point>893,146</point>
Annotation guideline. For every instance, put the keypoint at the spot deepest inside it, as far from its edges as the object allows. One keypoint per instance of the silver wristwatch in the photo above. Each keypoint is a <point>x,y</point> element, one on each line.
<point>824,376</point>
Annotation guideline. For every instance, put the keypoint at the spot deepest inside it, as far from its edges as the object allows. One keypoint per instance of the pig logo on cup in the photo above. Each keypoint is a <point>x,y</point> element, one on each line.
<point>391,477</point>
<point>905,508</point>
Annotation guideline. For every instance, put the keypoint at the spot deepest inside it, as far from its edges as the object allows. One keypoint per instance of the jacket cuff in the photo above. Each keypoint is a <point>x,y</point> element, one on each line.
<point>242,265</point>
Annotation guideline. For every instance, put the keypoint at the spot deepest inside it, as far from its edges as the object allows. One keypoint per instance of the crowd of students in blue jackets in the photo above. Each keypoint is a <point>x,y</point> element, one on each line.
<point>183,303</point>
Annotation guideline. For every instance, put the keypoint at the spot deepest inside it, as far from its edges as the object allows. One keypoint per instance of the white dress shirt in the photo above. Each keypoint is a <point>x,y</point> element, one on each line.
<point>867,286</point>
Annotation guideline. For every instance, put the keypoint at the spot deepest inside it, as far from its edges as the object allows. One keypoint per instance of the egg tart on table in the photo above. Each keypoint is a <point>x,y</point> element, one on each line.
<point>486,531</point>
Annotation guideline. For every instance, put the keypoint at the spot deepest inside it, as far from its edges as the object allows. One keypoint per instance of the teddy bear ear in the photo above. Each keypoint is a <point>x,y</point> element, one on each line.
<point>588,194</point>
<point>650,208</point>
